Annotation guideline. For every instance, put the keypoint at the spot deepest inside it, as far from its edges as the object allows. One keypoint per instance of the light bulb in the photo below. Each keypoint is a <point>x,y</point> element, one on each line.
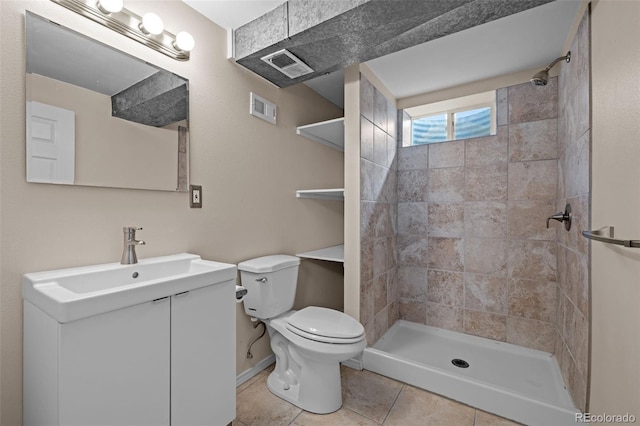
<point>110,6</point>
<point>184,41</point>
<point>151,24</point>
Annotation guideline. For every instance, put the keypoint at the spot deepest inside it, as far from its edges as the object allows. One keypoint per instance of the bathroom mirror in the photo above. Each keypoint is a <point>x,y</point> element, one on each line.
<point>97,116</point>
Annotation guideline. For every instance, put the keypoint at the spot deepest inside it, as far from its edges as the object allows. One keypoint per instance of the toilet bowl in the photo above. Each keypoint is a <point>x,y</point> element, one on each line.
<point>309,344</point>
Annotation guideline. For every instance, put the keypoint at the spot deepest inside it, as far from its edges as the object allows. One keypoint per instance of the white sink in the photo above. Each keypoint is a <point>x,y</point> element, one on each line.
<point>74,293</point>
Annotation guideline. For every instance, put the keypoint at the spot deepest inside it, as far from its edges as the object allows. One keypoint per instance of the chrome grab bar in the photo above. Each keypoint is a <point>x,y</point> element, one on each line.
<point>600,235</point>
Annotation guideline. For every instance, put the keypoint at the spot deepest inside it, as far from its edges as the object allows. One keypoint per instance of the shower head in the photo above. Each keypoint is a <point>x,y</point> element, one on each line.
<point>542,77</point>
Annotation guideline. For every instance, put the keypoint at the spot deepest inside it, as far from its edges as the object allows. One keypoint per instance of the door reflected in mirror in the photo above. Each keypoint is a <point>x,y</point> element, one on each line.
<point>97,116</point>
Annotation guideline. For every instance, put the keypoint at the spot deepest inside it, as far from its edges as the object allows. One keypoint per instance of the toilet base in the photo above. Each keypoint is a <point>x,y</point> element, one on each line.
<point>320,398</point>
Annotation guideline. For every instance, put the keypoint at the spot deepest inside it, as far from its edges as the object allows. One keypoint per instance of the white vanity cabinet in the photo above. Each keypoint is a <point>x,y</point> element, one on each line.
<point>169,361</point>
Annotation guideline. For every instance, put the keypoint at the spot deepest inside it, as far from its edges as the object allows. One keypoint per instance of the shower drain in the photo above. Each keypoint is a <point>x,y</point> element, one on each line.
<point>460,363</point>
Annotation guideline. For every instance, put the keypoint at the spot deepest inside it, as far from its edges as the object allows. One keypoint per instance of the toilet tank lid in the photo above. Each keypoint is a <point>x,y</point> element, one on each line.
<point>269,263</point>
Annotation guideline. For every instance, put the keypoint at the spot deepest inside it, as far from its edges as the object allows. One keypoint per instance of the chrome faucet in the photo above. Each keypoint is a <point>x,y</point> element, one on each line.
<point>129,253</point>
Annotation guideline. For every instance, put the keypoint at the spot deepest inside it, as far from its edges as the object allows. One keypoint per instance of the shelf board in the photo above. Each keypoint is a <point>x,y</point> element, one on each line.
<point>330,132</point>
<point>331,254</point>
<point>322,194</point>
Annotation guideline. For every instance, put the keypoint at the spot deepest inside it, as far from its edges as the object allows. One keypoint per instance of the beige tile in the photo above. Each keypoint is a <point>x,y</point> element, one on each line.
<point>533,260</point>
<point>379,293</point>
<point>502,106</point>
<point>381,261</point>
<point>446,184</point>
<point>381,323</point>
<point>258,406</point>
<point>366,139</point>
<point>580,222</point>
<point>412,310</point>
<point>487,419</point>
<point>446,154</point>
<point>393,312</point>
<point>237,422</point>
<point>379,146</point>
<point>530,333</point>
<point>253,380</point>
<point>532,299</point>
<point>379,109</point>
<point>485,324</point>
<point>527,220</point>
<point>366,260</point>
<point>486,256</point>
<point>418,407</point>
<point>366,98</point>
<point>485,219</point>
<point>580,348</point>
<point>413,157</point>
<point>377,183</point>
<point>447,317</point>
<point>367,298</point>
<point>413,219</point>
<point>486,183</point>
<point>488,150</point>
<point>485,293</point>
<point>413,185</point>
<point>446,254</point>
<point>445,288</point>
<point>412,250</point>
<point>412,282</point>
<point>343,416</point>
<point>533,180</point>
<point>536,140</point>
<point>530,103</point>
<point>446,220</point>
<point>368,394</point>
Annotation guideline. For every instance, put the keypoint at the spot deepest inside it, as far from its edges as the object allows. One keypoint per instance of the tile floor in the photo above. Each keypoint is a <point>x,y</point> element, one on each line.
<point>368,399</point>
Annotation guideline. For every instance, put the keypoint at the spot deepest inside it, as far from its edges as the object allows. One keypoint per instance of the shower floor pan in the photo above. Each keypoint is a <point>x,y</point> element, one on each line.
<point>521,384</point>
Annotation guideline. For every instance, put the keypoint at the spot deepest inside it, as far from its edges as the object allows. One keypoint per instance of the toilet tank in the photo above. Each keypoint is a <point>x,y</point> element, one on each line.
<point>271,284</point>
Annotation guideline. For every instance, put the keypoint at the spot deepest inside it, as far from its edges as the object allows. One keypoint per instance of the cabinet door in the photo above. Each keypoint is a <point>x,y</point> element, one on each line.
<point>203,364</point>
<point>114,367</point>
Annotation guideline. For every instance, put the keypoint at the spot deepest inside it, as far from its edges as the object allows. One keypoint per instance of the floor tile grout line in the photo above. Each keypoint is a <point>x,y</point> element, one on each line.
<point>402,388</point>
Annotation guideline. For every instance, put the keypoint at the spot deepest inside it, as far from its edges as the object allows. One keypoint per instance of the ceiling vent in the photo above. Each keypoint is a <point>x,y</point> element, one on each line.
<point>287,63</point>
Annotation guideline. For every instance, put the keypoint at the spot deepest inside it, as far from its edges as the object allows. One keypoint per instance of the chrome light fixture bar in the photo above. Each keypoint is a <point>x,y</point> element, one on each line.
<point>132,25</point>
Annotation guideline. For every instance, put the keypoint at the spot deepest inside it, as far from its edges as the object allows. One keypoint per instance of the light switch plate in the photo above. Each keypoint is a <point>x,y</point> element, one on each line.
<point>195,200</point>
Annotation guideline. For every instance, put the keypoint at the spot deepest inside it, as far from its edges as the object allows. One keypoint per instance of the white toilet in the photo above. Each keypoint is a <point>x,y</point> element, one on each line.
<point>309,344</point>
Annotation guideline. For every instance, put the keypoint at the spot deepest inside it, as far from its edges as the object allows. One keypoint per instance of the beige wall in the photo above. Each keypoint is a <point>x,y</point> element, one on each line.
<point>615,183</point>
<point>249,171</point>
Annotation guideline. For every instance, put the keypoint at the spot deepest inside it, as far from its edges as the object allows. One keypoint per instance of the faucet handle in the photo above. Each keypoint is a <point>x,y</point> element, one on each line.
<point>131,228</point>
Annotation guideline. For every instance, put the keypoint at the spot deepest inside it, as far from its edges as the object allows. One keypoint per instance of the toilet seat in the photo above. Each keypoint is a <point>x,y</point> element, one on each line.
<point>325,325</point>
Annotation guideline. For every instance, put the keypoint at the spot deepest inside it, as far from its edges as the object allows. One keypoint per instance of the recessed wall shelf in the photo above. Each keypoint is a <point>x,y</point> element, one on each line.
<point>322,194</point>
<point>330,132</point>
<point>331,254</point>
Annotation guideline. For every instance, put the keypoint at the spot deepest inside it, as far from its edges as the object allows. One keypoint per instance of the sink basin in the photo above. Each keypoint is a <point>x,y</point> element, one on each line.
<point>74,293</point>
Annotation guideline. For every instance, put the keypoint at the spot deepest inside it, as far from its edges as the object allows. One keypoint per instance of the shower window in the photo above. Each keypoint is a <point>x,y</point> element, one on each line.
<point>462,118</point>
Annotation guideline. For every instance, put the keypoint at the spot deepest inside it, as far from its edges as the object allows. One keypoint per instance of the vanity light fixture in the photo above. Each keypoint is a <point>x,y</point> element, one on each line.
<point>148,29</point>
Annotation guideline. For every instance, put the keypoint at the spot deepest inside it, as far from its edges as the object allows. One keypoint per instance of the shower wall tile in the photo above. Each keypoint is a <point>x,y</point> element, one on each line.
<point>446,154</point>
<point>576,166</point>
<point>412,250</point>
<point>379,293</point>
<point>532,299</point>
<point>413,310</point>
<point>446,220</point>
<point>533,180</point>
<point>413,185</point>
<point>446,184</point>
<point>443,316</point>
<point>366,99</point>
<point>485,324</point>
<point>392,119</point>
<point>366,139</point>
<point>381,324</point>
<point>412,283</point>
<point>485,219</point>
<point>413,218</point>
<point>536,140</point>
<point>380,146</point>
<point>379,110</point>
<point>366,261</point>
<point>445,288</point>
<point>486,256</point>
<point>366,301</point>
<point>413,158</point>
<point>486,183</point>
<point>527,219</point>
<point>446,254</point>
<point>502,105</point>
<point>530,333</point>
<point>533,260</point>
<point>485,293</point>
<point>488,150</point>
<point>531,103</point>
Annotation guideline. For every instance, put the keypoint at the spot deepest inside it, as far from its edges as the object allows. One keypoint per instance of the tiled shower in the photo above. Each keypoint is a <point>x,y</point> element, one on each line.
<point>453,234</point>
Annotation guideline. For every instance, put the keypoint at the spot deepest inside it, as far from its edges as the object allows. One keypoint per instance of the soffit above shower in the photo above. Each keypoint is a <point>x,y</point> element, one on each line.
<point>331,35</point>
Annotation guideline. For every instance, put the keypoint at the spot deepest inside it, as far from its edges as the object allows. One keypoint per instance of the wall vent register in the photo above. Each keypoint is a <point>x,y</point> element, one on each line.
<point>262,108</point>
